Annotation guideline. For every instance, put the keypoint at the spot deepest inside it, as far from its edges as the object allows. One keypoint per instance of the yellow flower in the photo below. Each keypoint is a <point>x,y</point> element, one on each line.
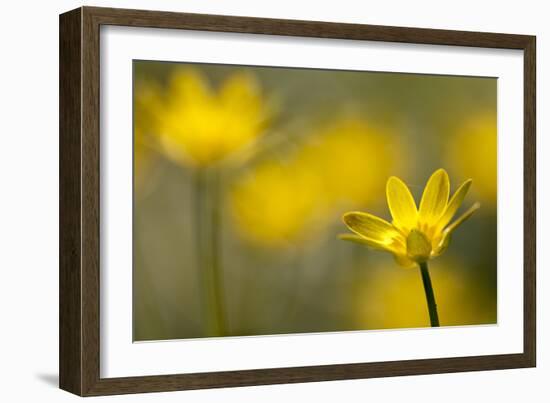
<point>276,205</point>
<point>200,126</point>
<point>415,235</point>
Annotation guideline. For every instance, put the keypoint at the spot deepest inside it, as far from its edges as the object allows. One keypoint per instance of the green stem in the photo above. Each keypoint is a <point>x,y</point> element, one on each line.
<point>215,264</point>
<point>207,230</point>
<point>430,298</point>
<point>198,204</point>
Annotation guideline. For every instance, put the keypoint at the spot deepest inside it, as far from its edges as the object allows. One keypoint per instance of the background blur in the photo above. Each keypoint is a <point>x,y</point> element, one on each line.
<point>276,157</point>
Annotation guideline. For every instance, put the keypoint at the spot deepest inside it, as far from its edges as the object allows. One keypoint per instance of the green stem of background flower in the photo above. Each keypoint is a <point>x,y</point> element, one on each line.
<point>207,230</point>
<point>215,263</point>
<point>430,298</point>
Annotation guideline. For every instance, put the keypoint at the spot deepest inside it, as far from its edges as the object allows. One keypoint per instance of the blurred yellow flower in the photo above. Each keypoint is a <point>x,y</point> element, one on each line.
<point>472,152</point>
<point>198,125</point>
<point>336,166</point>
<point>276,205</point>
<point>351,157</point>
<point>383,298</point>
<point>415,235</point>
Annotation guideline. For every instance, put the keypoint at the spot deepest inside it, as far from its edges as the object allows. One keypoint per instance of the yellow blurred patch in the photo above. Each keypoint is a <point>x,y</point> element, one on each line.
<point>388,297</point>
<point>353,158</point>
<point>342,165</point>
<point>276,205</point>
<point>472,153</point>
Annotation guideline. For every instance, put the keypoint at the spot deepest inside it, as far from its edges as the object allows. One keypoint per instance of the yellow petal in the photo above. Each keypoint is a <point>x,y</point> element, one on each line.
<point>188,86</point>
<point>367,241</point>
<point>401,204</point>
<point>446,237</point>
<point>434,199</point>
<point>240,90</point>
<point>454,204</point>
<point>404,261</point>
<point>441,243</point>
<point>372,227</point>
<point>463,217</point>
<point>397,250</point>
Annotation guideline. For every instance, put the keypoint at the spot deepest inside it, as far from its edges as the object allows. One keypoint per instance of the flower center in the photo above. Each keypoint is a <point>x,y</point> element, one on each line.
<point>419,246</point>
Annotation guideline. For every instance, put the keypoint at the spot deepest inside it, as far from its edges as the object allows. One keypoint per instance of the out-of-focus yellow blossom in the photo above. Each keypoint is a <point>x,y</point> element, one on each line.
<point>382,298</point>
<point>146,107</point>
<point>199,125</point>
<point>336,166</point>
<point>415,235</point>
<point>352,158</point>
<point>275,205</point>
<point>472,152</point>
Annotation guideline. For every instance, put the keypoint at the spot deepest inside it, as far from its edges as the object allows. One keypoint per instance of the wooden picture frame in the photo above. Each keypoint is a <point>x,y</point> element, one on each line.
<point>79,346</point>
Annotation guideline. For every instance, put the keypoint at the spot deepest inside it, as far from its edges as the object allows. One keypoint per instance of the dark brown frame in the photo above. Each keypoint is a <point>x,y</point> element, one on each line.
<point>79,201</point>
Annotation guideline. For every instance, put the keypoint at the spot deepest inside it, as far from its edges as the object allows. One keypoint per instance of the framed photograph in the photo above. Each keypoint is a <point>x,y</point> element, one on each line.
<point>249,201</point>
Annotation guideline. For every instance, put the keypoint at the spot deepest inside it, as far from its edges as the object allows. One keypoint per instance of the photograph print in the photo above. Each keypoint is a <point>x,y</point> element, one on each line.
<point>274,200</point>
